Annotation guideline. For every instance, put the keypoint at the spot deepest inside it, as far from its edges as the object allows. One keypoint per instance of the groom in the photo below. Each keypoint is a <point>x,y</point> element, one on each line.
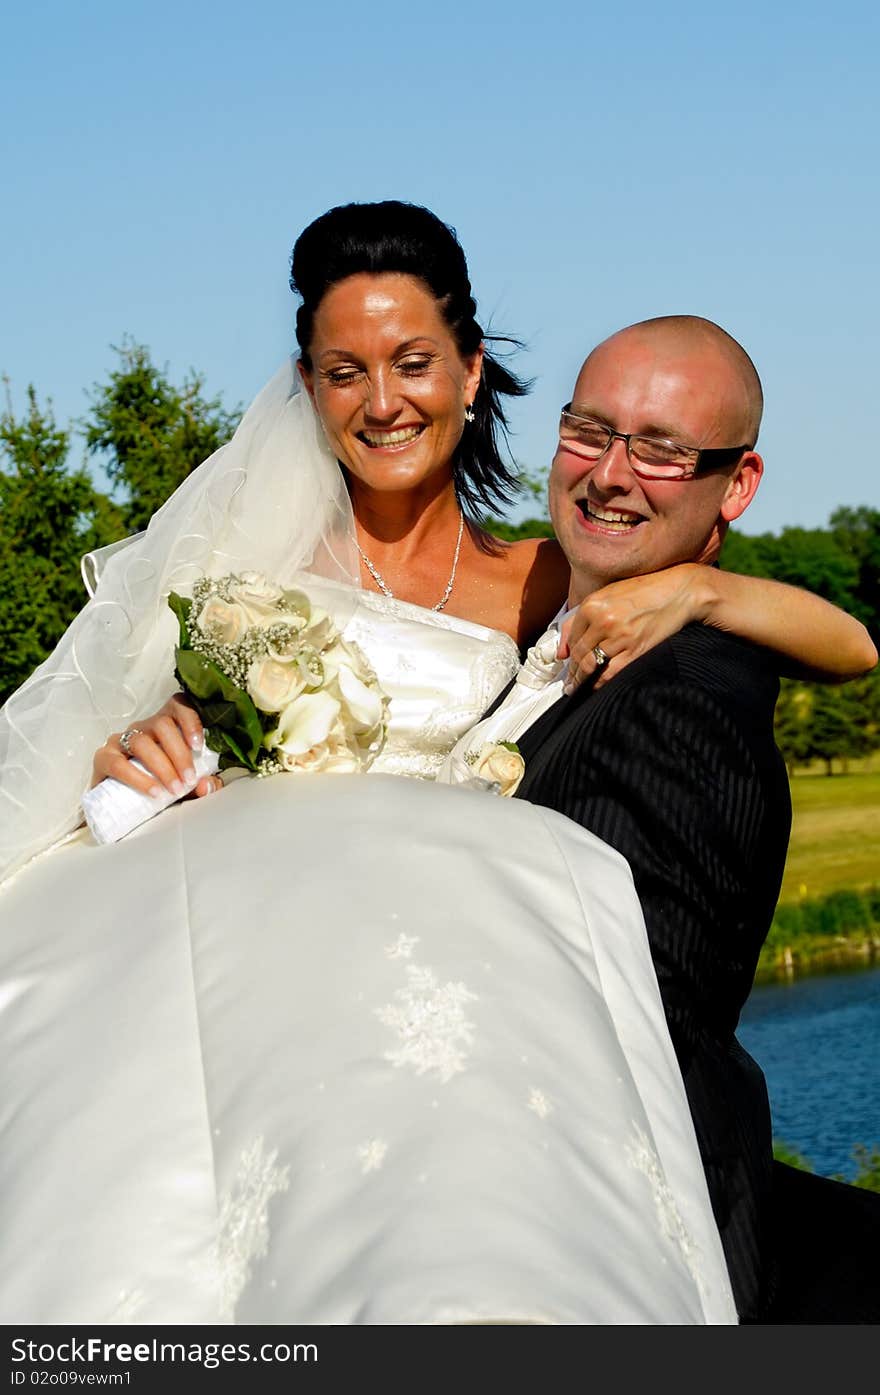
<point>674,763</point>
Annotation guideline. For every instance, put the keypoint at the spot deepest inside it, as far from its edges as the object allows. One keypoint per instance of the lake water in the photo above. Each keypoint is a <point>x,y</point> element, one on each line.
<point>816,1038</point>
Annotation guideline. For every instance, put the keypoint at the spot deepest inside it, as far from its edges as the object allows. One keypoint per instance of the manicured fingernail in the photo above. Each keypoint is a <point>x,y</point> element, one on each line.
<point>178,787</point>
<point>568,688</point>
<point>156,791</point>
<point>197,740</point>
<point>190,776</point>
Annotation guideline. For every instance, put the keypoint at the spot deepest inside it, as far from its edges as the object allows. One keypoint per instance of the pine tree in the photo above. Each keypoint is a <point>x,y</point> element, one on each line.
<point>148,434</point>
<point>49,516</point>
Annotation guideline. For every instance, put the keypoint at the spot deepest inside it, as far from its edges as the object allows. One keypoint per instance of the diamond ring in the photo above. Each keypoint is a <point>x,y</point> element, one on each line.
<point>600,656</point>
<point>125,739</point>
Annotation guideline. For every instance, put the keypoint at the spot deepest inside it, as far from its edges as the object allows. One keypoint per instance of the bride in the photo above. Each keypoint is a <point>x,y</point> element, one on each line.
<point>336,1050</point>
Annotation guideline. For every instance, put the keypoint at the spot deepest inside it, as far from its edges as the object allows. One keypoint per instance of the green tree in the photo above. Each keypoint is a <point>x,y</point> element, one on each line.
<point>857,531</point>
<point>813,558</point>
<point>49,516</point>
<point>834,730</point>
<point>148,434</point>
<point>533,483</point>
<point>791,723</point>
<point>513,532</point>
<point>750,556</point>
<point>819,722</point>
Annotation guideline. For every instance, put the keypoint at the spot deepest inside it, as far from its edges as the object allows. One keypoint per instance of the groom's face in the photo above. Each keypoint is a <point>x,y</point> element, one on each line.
<point>613,523</point>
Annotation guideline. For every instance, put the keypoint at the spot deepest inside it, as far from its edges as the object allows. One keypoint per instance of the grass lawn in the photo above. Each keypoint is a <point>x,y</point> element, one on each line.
<point>835,837</point>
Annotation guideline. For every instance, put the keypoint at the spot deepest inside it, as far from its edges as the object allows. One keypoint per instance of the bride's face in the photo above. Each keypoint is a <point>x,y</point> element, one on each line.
<point>388,381</point>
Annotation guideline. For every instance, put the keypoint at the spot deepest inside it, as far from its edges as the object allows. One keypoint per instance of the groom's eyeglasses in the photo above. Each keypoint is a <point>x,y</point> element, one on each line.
<point>651,457</point>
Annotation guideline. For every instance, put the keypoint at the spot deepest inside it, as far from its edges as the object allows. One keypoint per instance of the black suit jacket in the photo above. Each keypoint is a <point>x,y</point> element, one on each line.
<point>674,764</point>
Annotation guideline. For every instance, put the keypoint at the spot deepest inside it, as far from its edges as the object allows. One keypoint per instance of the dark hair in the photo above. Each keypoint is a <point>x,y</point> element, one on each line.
<point>403,237</point>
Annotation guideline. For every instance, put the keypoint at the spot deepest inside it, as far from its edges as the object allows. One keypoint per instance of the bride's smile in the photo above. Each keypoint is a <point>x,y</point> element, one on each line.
<point>397,439</point>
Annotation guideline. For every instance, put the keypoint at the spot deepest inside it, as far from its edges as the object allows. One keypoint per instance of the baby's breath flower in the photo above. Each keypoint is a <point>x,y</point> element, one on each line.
<point>268,764</point>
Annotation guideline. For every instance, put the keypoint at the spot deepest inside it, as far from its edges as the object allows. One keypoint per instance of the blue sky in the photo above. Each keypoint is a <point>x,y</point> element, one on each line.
<point>601,164</point>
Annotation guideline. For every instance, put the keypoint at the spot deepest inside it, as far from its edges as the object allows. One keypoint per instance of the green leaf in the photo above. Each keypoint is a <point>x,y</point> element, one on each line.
<point>181,607</point>
<point>227,748</point>
<point>223,707</point>
<point>510,746</point>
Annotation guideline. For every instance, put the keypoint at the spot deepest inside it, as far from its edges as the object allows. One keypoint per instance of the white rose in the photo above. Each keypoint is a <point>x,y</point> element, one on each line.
<point>273,683</point>
<point>267,604</point>
<point>260,619</point>
<point>327,758</point>
<point>342,761</point>
<point>257,588</point>
<point>320,629</point>
<point>307,661</point>
<point>314,760</point>
<point>222,622</point>
<point>502,766</point>
<point>305,724</point>
<point>364,706</point>
<point>346,652</point>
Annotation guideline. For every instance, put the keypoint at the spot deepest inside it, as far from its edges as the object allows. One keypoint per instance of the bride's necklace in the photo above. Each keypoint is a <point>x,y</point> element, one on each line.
<point>386,589</point>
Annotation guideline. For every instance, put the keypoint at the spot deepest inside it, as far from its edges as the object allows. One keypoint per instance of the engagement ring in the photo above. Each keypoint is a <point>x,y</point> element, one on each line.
<point>125,739</point>
<point>600,656</point>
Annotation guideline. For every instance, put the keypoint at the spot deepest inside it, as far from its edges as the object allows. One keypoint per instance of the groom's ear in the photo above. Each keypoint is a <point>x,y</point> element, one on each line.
<point>741,489</point>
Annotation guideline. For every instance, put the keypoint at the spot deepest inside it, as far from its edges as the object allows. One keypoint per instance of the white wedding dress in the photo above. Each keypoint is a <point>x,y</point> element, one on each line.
<point>338,1049</point>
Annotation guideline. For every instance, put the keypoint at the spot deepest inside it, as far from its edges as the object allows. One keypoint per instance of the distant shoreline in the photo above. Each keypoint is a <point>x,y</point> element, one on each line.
<point>834,952</point>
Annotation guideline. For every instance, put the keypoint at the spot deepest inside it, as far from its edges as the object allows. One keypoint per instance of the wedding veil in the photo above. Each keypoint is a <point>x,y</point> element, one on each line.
<point>273,500</point>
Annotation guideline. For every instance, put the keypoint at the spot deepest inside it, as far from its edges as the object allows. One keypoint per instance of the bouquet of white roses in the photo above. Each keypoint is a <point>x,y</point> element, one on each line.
<point>275,684</point>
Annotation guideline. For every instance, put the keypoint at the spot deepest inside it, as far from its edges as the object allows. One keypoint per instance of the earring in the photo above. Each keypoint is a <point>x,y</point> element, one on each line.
<point>469,414</point>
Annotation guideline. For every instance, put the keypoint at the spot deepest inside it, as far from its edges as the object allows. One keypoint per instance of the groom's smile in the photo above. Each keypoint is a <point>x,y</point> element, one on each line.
<point>607,520</point>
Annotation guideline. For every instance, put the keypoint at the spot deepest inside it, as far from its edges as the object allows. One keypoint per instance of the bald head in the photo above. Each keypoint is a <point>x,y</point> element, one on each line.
<point>690,338</point>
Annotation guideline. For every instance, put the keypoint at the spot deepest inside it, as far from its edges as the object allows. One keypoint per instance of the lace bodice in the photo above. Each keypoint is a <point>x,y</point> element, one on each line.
<point>440,672</point>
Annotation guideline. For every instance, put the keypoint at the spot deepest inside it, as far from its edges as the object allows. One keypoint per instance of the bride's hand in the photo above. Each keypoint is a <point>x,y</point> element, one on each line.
<point>164,744</point>
<point>627,618</point>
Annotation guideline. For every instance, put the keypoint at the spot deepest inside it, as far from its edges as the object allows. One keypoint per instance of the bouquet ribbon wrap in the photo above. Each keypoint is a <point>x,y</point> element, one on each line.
<point>113,809</point>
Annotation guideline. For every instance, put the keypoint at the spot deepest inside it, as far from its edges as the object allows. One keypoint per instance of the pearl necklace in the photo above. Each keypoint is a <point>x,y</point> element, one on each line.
<point>386,589</point>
